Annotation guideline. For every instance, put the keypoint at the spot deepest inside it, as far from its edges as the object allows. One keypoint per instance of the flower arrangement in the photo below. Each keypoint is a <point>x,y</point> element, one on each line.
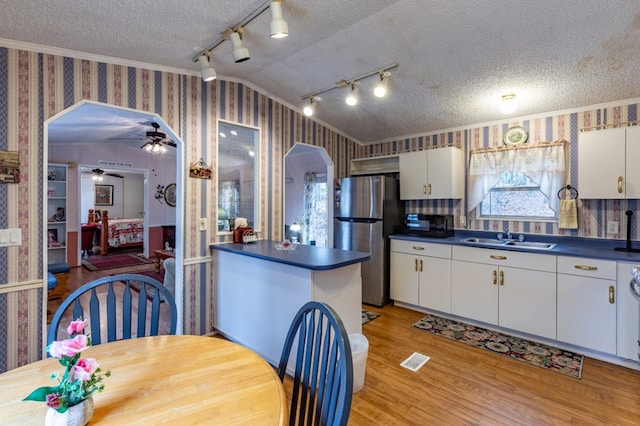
<point>81,377</point>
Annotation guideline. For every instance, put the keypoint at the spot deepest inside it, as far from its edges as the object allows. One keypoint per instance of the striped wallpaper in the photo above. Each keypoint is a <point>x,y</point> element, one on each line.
<point>36,86</point>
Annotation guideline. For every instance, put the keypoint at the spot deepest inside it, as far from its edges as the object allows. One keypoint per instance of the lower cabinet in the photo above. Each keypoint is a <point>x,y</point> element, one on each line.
<point>627,314</point>
<point>587,303</point>
<point>420,274</point>
<point>510,289</point>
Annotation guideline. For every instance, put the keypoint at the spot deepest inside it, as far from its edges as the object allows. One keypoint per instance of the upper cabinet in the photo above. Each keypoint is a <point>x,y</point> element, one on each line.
<point>432,174</point>
<point>605,163</point>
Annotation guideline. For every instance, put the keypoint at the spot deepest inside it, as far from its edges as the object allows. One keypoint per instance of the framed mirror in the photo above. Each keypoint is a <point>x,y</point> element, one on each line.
<point>238,175</point>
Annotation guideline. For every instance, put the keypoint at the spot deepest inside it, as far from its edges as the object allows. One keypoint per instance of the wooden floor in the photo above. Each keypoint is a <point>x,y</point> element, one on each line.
<point>462,385</point>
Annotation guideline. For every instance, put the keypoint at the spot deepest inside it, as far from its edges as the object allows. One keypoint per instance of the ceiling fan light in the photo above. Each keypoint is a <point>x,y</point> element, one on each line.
<point>278,27</point>
<point>509,104</point>
<point>206,70</point>
<point>240,51</point>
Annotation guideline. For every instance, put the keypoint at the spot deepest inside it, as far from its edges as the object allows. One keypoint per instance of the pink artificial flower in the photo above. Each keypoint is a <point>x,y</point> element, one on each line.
<point>69,347</point>
<point>53,400</point>
<point>76,327</point>
<point>83,369</point>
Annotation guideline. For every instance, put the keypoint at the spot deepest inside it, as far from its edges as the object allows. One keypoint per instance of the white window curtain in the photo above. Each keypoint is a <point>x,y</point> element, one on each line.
<point>545,165</point>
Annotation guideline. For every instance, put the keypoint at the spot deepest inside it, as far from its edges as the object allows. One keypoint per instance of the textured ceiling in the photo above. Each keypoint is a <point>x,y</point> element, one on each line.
<point>455,58</point>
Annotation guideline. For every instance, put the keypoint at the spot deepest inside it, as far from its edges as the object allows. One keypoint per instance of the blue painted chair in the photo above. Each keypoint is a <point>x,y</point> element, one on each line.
<point>110,303</point>
<point>323,371</point>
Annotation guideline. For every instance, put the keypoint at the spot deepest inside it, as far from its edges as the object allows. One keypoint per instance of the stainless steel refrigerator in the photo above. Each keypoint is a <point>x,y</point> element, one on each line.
<point>368,209</point>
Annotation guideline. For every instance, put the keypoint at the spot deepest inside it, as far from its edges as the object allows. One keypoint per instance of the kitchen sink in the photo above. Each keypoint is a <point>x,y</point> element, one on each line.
<point>531,244</point>
<point>494,242</point>
<point>484,241</point>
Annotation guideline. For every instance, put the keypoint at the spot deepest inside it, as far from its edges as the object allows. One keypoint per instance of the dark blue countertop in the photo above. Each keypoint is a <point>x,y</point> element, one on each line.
<point>304,256</point>
<point>567,246</point>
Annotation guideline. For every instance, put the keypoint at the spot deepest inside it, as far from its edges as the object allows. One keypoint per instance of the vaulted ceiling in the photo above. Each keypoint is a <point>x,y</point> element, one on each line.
<point>456,58</point>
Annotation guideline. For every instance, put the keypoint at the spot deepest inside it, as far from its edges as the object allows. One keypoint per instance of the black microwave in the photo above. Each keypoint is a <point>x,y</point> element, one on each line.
<point>428,225</point>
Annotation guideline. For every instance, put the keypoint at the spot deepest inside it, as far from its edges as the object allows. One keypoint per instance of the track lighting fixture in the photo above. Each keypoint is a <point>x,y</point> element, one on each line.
<point>240,51</point>
<point>380,89</point>
<point>509,103</point>
<point>309,109</point>
<point>352,97</point>
<point>206,70</point>
<point>278,26</point>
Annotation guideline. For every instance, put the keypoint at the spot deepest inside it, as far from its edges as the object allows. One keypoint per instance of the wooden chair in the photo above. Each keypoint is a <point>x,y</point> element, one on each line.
<point>323,375</point>
<point>109,302</point>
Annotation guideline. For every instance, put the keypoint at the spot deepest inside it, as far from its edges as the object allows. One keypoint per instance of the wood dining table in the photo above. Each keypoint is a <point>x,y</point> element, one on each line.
<point>162,380</point>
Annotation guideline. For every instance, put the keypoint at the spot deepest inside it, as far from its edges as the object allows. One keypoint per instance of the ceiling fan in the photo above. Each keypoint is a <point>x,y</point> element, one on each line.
<point>155,139</point>
<point>99,173</point>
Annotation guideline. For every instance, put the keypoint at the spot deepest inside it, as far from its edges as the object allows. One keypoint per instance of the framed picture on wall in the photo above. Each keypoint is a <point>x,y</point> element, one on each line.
<point>104,195</point>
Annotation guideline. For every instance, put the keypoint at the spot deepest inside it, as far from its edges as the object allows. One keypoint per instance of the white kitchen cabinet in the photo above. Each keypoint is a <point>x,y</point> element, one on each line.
<point>587,303</point>
<point>432,174</point>
<point>420,274</point>
<point>56,213</point>
<point>627,314</point>
<point>618,149</point>
<point>511,289</point>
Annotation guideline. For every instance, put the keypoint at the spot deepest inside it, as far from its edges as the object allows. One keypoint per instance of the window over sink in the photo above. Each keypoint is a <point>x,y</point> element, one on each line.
<point>516,195</point>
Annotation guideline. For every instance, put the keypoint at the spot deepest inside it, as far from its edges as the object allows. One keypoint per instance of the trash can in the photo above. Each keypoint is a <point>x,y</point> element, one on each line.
<point>359,351</point>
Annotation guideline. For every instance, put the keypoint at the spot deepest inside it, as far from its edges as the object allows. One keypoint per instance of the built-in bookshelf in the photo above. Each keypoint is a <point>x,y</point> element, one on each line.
<point>57,213</point>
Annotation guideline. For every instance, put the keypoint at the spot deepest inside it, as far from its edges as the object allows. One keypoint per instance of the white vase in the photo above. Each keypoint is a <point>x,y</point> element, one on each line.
<point>78,415</point>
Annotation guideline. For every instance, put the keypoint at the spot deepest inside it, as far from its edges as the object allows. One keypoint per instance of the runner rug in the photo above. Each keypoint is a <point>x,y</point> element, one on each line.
<point>549,357</point>
<point>368,316</point>
<point>99,263</point>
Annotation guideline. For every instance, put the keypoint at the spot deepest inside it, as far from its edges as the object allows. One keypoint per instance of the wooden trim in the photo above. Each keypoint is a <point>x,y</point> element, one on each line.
<point>604,126</point>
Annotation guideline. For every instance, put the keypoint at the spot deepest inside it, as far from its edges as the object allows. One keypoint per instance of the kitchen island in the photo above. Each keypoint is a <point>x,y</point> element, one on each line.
<point>258,289</point>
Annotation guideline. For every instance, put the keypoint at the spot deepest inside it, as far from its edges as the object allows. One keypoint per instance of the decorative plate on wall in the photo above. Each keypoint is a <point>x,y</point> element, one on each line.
<point>170,194</point>
<point>516,135</point>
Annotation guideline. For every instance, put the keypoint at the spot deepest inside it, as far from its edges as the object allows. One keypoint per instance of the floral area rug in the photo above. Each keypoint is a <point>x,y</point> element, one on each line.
<point>368,316</point>
<point>549,357</point>
<point>98,263</point>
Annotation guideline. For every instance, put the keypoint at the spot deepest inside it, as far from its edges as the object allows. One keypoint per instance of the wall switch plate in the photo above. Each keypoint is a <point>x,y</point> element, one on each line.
<point>463,221</point>
<point>203,223</point>
<point>612,227</point>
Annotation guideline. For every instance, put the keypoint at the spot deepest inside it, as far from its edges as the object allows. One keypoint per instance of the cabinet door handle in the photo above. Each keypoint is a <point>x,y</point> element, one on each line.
<point>619,184</point>
<point>501,277</point>
<point>495,277</point>
<point>586,267</point>
<point>495,256</point>
<point>424,189</point>
<point>418,248</point>
<point>429,189</point>
<point>420,265</point>
<point>611,295</point>
<point>415,267</point>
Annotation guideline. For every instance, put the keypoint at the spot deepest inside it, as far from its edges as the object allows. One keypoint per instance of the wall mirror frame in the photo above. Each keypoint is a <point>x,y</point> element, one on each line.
<point>238,175</point>
<point>302,159</point>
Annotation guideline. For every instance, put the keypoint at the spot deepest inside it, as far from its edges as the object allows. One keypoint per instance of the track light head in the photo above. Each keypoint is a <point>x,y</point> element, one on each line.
<point>240,51</point>
<point>509,104</point>
<point>380,89</point>
<point>308,110</point>
<point>278,26</point>
<point>352,97</point>
<point>206,70</point>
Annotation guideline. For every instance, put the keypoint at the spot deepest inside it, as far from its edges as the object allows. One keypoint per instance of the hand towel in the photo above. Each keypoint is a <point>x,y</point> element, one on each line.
<point>568,214</point>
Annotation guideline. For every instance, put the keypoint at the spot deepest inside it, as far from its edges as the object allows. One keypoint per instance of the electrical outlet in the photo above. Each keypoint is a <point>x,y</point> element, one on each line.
<point>612,227</point>
<point>203,223</point>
